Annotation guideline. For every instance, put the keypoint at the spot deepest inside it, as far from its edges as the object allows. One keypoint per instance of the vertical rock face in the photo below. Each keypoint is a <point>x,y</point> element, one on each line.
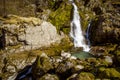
<point>106,26</point>
<point>30,33</point>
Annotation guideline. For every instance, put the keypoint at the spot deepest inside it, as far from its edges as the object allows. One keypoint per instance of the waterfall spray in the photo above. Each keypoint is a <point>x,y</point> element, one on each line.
<point>76,31</point>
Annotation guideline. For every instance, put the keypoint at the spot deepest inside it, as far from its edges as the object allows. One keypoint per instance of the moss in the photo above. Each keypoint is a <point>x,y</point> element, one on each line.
<point>86,76</point>
<point>41,66</point>
<point>52,50</point>
<point>55,49</point>
<point>51,4</point>
<point>116,57</point>
<point>61,17</point>
<point>85,13</point>
<point>109,73</point>
<point>84,20</point>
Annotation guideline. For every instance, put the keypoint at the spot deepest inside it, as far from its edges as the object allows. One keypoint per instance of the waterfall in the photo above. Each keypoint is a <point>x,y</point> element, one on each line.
<point>87,33</point>
<point>76,31</point>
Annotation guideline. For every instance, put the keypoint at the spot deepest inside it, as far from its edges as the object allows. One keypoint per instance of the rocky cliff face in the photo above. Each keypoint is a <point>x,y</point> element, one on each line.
<point>106,25</point>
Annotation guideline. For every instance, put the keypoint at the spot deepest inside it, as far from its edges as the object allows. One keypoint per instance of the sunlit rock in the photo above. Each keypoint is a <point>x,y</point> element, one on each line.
<point>49,77</point>
<point>28,33</point>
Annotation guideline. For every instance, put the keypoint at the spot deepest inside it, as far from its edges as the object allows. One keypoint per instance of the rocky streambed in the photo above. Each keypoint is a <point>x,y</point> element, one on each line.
<point>72,67</point>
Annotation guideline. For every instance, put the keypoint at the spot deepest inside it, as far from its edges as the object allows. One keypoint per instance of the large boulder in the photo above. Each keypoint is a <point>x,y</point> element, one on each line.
<point>28,33</point>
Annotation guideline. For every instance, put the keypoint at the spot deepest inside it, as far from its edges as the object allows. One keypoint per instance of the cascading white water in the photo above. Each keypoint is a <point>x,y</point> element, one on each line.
<point>76,31</point>
<point>87,33</point>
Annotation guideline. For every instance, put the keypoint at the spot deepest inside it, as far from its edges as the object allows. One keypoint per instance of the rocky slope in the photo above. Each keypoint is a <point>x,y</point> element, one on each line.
<point>16,33</point>
<point>19,37</point>
<point>67,67</point>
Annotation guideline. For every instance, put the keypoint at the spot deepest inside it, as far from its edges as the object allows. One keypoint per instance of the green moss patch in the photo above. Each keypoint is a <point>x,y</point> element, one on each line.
<point>61,17</point>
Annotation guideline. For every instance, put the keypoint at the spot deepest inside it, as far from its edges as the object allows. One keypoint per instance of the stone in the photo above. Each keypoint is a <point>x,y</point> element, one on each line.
<point>41,66</point>
<point>65,66</point>
<point>82,76</point>
<point>108,59</point>
<point>11,69</point>
<point>56,60</point>
<point>26,33</point>
<point>77,68</point>
<point>49,77</point>
<point>72,77</point>
<point>109,73</point>
<point>65,54</point>
<point>85,76</point>
<point>10,66</point>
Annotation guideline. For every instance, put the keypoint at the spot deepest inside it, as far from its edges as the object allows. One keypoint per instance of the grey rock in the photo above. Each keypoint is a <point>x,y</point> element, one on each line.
<point>31,33</point>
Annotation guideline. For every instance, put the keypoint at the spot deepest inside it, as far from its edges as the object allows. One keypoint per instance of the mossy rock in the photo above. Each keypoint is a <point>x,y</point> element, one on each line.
<point>55,49</point>
<point>65,66</point>
<point>41,66</point>
<point>61,17</point>
<point>85,13</point>
<point>117,54</point>
<point>85,76</point>
<point>49,77</point>
<point>110,73</point>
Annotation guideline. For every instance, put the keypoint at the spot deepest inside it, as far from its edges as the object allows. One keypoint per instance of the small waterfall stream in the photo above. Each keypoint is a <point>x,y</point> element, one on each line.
<point>87,33</point>
<point>76,31</point>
